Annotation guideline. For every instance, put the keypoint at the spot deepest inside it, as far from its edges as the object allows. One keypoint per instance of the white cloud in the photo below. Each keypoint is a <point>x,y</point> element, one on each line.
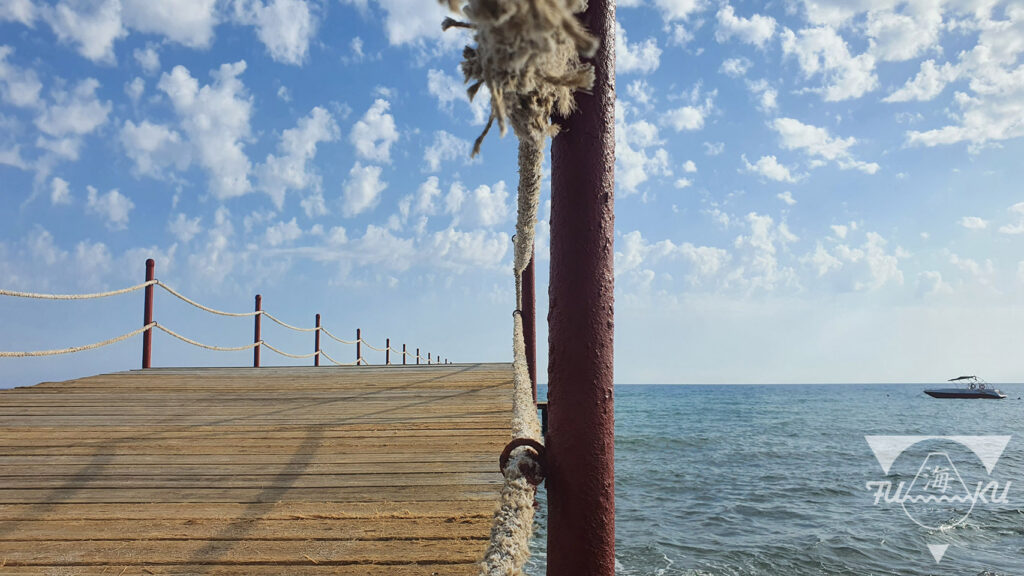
<point>409,21</point>
<point>638,154</point>
<point>902,36</point>
<point>135,89</point>
<point>92,27</point>
<point>59,191</point>
<point>290,169</point>
<point>691,117</point>
<point>760,268</point>
<point>683,183</point>
<point>756,30</point>
<point>640,91</point>
<point>770,168</point>
<point>445,147</point>
<point>184,228</point>
<point>216,119</point>
<point>786,197</point>
<point>215,261</point>
<point>23,11</point>
<point>641,58</point>
<point>284,94</point>
<point>636,256</point>
<point>283,233</point>
<point>374,134</point>
<point>43,248</point>
<point>714,148</point>
<point>188,22</point>
<point>314,205</point>
<point>362,189</point>
<point>484,207</point>
<point>1018,228</point>
<point>927,84</point>
<point>153,148</point>
<point>92,262</point>
<point>76,113</point>
<point>822,51</point>
<point>148,58</point>
<point>867,267</point>
<point>467,250</point>
<point>679,9</point>
<point>689,166</point>
<point>817,142</point>
<point>448,90</point>
<point>12,157</point>
<point>735,67</point>
<point>18,86</point>
<point>973,223</point>
<point>930,283</point>
<point>285,27</point>
<point>113,206</point>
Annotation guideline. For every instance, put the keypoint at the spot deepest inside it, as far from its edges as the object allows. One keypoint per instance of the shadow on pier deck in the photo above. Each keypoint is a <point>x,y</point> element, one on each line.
<point>370,470</point>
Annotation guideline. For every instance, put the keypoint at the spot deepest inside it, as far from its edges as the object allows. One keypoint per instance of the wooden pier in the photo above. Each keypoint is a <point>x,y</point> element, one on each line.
<point>348,470</point>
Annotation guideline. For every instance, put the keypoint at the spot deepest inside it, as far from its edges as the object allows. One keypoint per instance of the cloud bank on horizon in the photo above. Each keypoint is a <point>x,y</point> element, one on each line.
<point>807,191</point>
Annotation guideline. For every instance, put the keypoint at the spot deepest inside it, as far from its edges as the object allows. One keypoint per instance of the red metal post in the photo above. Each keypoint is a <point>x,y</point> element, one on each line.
<point>359,346</point>
<point>417,355</point>
<point>147,316</point>
<point>403,354</point>
<point>529,313</point>
<point>256,332</point>
<point>581,421</point>
<point>387,352</point>
<point>428,357</point>
<point>316,359</point>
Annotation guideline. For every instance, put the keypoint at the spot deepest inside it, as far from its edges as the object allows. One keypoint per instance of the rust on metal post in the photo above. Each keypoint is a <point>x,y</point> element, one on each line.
<point>147,316</point>
<point>529,315</point>
<point>581,422</point>
<point>359,346</point>
<point>316,359</point>
<point>256,332</point>
<point>387,351</point>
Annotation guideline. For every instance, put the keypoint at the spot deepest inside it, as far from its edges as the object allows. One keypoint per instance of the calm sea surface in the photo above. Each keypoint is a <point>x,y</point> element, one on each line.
<point>743,480</point>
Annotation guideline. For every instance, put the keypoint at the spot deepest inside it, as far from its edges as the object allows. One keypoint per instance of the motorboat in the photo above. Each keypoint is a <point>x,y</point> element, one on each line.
<point>972,387</point>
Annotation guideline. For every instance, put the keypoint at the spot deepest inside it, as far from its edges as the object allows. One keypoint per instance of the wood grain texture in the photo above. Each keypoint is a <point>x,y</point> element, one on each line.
<point>368,470</point>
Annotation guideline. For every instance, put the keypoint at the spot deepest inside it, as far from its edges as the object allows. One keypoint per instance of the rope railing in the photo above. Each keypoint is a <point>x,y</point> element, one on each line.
<point>94,295</point>
<point>256,345</point>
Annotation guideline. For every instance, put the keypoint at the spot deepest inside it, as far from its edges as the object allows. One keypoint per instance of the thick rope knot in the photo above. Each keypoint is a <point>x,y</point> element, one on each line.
<point>525,456</point>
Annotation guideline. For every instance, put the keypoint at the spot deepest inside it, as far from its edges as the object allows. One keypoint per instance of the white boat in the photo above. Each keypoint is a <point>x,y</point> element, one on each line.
<point>975,388</point>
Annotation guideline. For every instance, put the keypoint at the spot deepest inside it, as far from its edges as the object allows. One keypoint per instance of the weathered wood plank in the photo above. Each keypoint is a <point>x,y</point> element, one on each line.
<point>371,470</point>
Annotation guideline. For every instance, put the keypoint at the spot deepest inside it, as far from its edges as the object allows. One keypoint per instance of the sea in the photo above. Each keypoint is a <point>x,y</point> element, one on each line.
<point>774,480</point>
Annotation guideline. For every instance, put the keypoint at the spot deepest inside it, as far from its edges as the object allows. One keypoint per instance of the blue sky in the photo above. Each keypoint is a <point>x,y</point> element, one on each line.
<point>822,191</point>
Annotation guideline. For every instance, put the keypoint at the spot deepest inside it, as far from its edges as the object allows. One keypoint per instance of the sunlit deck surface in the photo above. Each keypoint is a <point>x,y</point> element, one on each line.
<point>255,471</point>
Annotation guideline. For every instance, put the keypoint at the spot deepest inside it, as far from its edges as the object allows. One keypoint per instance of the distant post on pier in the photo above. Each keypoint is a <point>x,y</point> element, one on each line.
<point>387,352</point>
<point>256,332</point>
<point>417,355</point>
<point>359,346</point>
<point>529,315</point>
<point>403,354</point>
<point>316,357</point>
<point>147,316</point>
<point>580,445</point>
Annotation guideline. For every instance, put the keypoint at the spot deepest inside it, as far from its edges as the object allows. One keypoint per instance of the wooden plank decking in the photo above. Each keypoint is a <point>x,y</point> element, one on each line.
<point>370,470</point>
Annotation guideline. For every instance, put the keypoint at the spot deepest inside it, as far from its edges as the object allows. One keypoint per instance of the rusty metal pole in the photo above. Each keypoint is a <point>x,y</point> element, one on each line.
<point>529,312</point>
<point>256,332</point>
<point>147,316</point>
<point>359,346</point>
<point>316,359</point>
<point>387,351</point>
<point>581,420</point>
<point>403,354</point>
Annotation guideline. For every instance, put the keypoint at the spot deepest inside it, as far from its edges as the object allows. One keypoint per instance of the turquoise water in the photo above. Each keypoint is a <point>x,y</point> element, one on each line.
<point>751,480</point>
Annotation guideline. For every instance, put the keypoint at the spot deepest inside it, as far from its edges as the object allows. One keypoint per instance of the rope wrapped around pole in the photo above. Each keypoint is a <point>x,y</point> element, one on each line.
<point>527,53</point>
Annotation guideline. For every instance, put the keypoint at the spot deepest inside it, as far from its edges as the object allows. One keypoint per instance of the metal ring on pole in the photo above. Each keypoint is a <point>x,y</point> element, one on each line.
<point>535,476</point>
